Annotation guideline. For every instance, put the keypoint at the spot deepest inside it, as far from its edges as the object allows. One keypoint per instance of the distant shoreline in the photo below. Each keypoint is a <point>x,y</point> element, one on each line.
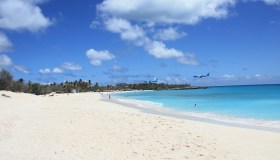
<point>176,114</point>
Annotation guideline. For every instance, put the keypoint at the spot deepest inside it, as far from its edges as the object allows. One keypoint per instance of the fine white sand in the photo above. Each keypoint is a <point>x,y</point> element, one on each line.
<point>82,127</point>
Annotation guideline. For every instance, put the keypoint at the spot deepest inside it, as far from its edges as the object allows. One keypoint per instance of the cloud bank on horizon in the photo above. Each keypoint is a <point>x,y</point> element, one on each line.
<point>146,24</point>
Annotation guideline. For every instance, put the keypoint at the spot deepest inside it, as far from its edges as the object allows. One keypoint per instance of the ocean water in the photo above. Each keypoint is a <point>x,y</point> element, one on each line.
<point>257,105</point>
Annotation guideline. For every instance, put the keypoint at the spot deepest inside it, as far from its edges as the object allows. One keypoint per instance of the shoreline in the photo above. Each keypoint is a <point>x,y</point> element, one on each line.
<point>85,126</point>
<point>166,111</point>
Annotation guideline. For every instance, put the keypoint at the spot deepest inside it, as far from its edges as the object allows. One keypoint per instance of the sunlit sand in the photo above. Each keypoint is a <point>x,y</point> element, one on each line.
<point>82,126</point>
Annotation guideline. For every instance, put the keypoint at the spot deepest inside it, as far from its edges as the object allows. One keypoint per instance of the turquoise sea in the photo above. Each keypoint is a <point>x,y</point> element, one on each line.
<point>257,105</point>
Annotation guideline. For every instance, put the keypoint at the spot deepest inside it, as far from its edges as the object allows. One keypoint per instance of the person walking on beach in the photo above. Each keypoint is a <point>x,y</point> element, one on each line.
<point>109,96</point>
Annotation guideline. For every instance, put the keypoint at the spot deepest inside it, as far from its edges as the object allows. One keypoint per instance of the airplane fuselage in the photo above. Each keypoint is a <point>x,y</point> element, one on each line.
<point>202,76</point>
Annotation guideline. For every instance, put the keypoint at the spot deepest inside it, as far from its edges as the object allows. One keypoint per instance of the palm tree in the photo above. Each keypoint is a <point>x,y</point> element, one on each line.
<point>89,85</point>
<point>96,87</point>
<point>19,85</point>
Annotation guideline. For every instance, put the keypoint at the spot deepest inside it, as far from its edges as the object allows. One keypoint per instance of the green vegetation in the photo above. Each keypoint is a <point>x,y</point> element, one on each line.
<point>6,80</point>
<point>7,83</point>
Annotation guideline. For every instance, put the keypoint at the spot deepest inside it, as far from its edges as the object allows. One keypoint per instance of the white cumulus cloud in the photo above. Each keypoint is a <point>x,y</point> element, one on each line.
<point>126,30</point>
<point>159,50</point>
<point>45,71</point>
<point>57,70</point>
<point>5,44</point>
<point>96,57</point>
<point>137,21</point>
<point>166,11</point>
<point>136,35</point>
<point>169,34</point>
<point>22,15</point>
<point>5,61</point>
<point>49,71</point>
<point>71,66</point>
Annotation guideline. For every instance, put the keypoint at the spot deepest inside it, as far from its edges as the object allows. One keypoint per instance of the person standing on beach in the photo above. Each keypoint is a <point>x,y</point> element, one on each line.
<point>109,96</point>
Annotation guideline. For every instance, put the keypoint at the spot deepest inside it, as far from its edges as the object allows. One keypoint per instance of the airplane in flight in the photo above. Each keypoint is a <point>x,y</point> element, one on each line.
<point>155,81</point>
<point>201,76</point>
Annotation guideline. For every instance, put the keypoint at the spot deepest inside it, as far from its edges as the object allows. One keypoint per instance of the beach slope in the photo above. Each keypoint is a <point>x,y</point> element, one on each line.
<point>82,126</point>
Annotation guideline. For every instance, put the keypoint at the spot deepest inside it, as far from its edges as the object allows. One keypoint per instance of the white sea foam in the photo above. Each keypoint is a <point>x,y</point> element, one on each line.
<point>207,116</point>
<point>143,104</point>
<point>235,120</point>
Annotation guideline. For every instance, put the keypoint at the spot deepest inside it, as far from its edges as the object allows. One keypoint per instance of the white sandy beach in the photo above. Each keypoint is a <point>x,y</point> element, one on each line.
<point>82,127</point>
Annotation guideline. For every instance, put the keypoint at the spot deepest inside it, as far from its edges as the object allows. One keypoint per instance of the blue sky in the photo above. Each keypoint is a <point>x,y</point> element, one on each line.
<point>113,41</point>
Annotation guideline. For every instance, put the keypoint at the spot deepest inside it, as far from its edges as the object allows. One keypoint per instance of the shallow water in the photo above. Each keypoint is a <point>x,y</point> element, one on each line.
<point>253,105</point>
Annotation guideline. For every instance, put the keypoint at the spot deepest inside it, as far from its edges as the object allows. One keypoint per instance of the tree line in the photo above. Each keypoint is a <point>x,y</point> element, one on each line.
<point>8,83</point>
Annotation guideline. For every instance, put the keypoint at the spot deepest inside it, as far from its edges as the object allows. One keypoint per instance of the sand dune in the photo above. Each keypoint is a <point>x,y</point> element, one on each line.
<point>82,127</point>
